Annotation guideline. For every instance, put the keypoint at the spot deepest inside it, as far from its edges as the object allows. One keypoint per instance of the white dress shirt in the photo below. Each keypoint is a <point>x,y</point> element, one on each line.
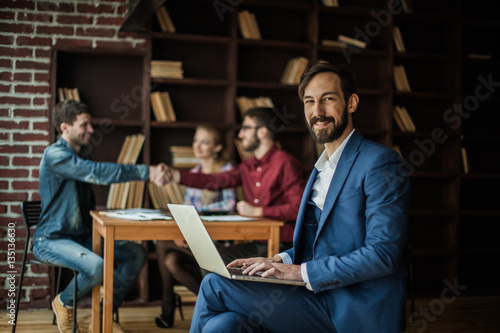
<point>326,168</point>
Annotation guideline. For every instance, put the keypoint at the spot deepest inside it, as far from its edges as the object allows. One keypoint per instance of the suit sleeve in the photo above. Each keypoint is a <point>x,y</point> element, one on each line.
<point>386,194</point>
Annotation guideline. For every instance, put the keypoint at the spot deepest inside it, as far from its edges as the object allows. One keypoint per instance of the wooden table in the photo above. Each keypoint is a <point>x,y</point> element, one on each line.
<point>119,229</point>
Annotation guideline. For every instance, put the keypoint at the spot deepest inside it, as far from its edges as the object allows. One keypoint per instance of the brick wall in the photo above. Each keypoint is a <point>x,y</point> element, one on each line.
<point>28,31</point>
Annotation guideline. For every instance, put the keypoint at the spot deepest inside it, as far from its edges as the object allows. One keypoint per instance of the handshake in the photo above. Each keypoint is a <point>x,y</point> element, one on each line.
<point>162,174</point>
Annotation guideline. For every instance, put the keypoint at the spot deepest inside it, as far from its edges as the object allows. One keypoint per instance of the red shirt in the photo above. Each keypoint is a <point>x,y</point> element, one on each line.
<point>275,183</point>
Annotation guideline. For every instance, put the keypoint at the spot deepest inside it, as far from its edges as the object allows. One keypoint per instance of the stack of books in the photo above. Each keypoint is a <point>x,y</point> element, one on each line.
<point>331,3</point>
<point>248,25</point>
<point>400,78</point>
<point>183,157</point>
<point>403,119</point>
<point>398,40</point>
<point>294,68</point>
<point>162,196</point>
<point>164,20</point>
<point>167,69</point>
<point>130,194</point>
<point>68,93</point>
<point>162,106</point>
<point>352,41</point>
<point>245,103</point>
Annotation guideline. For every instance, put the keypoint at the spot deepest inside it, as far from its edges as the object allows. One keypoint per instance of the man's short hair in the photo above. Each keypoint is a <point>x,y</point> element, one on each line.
<point>264,117</point>
<point>67,111</point>
<point>347,80</point>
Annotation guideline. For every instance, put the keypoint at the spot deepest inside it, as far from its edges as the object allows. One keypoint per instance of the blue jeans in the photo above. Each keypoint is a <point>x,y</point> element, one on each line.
<point>71,254</point>
<point>231,306</point>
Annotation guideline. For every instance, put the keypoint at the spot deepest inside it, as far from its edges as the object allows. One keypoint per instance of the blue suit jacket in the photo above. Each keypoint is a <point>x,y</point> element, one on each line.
<point>360,239</point>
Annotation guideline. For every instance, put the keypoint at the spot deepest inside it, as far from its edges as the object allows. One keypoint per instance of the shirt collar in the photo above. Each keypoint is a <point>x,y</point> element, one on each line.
<point>266,158</point>
<point>324,162</point>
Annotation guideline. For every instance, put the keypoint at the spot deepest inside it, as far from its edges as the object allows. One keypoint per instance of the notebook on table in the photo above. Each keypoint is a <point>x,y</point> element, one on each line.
<point>204,249</point>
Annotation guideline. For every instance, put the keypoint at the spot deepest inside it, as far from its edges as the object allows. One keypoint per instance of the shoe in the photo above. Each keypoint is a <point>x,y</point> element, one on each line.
<point>167,320</point>
<point>64,316</point>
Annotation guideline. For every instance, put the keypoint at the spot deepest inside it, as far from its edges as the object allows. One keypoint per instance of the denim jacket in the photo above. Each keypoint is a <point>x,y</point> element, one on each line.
<point>66,180</point>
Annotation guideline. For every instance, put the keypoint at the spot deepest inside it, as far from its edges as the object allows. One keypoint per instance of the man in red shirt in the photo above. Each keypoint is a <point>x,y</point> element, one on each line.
<point>273,181</point>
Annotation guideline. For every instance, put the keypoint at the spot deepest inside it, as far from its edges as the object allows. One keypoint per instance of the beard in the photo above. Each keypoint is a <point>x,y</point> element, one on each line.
<point>252,144</point>
<point>325,135</point>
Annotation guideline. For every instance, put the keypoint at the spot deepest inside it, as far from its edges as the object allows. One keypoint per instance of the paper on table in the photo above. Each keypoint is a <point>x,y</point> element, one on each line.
<point>224,218</point>
<point>138,214</point>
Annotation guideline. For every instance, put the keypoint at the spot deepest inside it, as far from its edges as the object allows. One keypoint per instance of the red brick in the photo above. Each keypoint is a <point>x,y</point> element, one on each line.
<point>4,112</point>
<point>48,7</point>
<point>42,53</point>
<point>39,269</point>
<point>35,173</point>
<point>3,210</point>
<point>123,9</point>
<point>30,137</point>
<point>14,149</point>
<point>41,101</point>
<point>36,281</point>
<point>29,113</point>
<point>4,185</point>
<point>42,77</point>
<point>38,17</point>
<point>54,30</point>
<point>35,304</point>
<point>4,136</point>
<point>35,196</point>
<point>41,126</point>
<point>17,210</point>
<point>91,9</point>
<point>6,40</point>
<point>39,293</point>
<point>32,89</point>
<point>16,28</point>
<point>4,88</point>
<point>5,63</point>
<point>4,160</point>
<point>13,196</point>
<point>14,100</point>
<point>14,173</point>
<point>66,7</point>
<point>98,32</point>
<point>19,4</point>
<point>16,160</point>
<point>20,185</point>
<point>7,16</point>
<point>74,19</point>
<point>14,125</point>
<point>5,76</point>
<point>73,43</point>
<point>16,52</point>
<point>29,64</point>
<point>36,41</point>
<point>23,77</point>
<point>110,20</point>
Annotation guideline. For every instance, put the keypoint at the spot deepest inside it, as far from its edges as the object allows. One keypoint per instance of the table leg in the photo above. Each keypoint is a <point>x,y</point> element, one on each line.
<point>96,299</point>
<point>273,246</point>
<point>107,300</point>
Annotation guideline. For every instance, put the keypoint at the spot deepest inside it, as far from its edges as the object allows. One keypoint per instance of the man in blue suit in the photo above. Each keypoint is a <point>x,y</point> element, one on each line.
<point>348,241</point>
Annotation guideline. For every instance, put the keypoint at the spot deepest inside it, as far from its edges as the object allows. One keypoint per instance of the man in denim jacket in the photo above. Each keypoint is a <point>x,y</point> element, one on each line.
<point>64,233</point>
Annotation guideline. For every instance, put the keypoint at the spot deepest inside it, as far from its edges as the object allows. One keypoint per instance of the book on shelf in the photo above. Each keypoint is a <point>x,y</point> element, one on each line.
<point>397,149</point>
<point>294,68</point>
<point>465,161</point>
<point>241,152</point>
<point>167,69</point>
<point>164,20</point>
<point>333,43</point>
<point>183,157</point>
<point>162,106</point>
<point>403,119</point>
<point>68,93</point>
<point>244,103</point>
<point>248,25</point>
<point>162,196</point>
<point>479,56</point>
<point>331,3</point>
<point>352,41</point>
<point>400,78</point>
<point>129,194</point>
<point>398,40</point>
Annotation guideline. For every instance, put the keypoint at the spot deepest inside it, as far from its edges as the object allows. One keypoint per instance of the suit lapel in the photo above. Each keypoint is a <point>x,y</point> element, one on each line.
<point>341,172</point>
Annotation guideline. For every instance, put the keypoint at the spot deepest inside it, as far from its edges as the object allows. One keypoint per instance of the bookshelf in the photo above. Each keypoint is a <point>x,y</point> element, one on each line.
<point>219,65</point>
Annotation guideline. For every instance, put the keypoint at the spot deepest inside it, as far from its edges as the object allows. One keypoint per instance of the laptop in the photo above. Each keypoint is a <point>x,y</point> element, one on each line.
<point>204,249</point>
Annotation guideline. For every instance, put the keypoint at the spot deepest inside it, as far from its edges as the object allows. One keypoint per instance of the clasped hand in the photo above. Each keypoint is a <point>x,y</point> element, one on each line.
<point>269,266</point>
<point>161,174</point>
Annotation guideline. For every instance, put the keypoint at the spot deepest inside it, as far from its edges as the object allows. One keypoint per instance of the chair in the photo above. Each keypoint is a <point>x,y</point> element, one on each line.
<point>31,213</point>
